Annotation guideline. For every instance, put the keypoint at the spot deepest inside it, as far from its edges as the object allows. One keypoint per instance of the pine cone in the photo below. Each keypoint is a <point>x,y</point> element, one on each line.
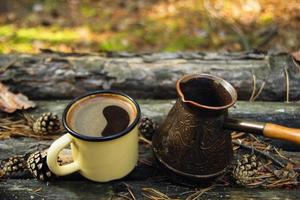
<point>246,167</point>
<point>37,165</point>
<point>147,127</point>
<point>46,124</point>
<point>14,165</point>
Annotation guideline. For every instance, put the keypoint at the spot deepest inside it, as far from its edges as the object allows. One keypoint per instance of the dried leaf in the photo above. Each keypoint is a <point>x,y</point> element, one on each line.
<point>10,102</point>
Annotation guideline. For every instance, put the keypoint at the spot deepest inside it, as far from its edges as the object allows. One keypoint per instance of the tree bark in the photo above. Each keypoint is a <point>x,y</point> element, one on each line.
<point>61,76</point>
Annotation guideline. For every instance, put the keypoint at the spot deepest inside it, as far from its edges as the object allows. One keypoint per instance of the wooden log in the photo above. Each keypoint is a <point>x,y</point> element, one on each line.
<point>287,114</point>
<point>140,178</point>
<point>31,189</point>
<point>57,75</point>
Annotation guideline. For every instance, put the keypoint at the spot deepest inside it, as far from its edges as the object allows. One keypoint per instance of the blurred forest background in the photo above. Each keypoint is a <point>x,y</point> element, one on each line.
<point>149,25</point>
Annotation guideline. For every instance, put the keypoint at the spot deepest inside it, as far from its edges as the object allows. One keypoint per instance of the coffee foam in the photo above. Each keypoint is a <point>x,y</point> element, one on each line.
<point>86,115</point>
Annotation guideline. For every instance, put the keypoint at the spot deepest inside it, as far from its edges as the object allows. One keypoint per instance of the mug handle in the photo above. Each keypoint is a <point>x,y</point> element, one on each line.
<point>52,155</point>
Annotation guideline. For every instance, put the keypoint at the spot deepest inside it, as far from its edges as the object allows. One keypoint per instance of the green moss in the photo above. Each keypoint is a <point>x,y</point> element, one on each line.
<point>52,35</point>
<point>184,42</point>
<point>88,11</point>
<point>17,47</point>
<point>20,39</point>
<point>6,31</point>
<point>116,42</point>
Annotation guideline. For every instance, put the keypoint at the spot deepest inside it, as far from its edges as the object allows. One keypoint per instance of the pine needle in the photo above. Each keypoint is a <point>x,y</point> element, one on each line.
<point>199,193</point>
<point>154,194</point>
<point>287,80</point>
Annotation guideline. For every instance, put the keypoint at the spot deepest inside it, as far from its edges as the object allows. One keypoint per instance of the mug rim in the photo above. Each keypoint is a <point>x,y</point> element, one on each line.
<point>102,138</point>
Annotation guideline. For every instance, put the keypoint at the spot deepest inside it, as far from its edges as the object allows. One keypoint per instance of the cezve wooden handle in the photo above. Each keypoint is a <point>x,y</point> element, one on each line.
<point>282,133</point>
<point>266,129</point>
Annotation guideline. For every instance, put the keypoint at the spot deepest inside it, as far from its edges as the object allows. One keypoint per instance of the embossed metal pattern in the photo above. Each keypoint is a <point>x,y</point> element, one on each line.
<point>193,142</point>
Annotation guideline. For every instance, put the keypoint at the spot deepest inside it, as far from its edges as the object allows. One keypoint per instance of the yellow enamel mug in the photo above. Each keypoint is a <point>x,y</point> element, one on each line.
<point>98,158</point>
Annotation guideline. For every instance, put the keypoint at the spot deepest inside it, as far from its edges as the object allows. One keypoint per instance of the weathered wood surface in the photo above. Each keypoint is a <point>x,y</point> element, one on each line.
<point>282,113</point>
<point>60,190</point>
<point>287,114</point>
<point>54,75</point>
<point>76,187</point>
<point>79,188</point>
